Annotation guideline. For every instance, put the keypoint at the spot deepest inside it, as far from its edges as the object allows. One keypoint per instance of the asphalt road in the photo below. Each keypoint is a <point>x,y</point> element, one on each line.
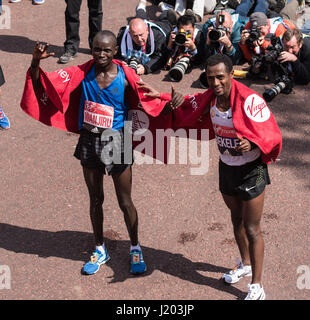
<point>185,228</point>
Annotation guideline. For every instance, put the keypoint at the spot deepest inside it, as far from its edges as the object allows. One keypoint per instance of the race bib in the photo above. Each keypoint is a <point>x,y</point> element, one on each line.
<point>98,115</point>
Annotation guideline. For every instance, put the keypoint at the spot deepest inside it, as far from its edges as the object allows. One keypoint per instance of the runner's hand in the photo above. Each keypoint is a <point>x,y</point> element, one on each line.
<point>40,51</point>
<point>176,98</point>
<point>244,145</point>
<point>150,91</point>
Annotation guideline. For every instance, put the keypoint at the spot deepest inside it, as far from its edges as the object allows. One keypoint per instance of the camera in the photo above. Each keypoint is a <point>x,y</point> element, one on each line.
<point>133,63</point>
<point>283,78</point>
<point>254,33</point>
<point>203,80</point>
<point>181,37</point>
<point>274,49</point>
<point>177,72</point>
<point>270,66</point>
<point>283,84</point>
<point>220,31</point>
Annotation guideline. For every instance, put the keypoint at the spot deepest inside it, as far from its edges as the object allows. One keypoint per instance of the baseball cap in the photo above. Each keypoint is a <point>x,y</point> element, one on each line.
<point>260,18</point>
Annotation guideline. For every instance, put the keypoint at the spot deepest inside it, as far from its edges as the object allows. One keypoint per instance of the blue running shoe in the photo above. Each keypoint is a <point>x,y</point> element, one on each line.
<point>4,120</point>
<point>96,260</point>
<point>137,264</point>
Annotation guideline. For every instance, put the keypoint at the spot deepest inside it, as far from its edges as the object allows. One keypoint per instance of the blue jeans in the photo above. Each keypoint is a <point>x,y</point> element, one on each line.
<point>246,5</point>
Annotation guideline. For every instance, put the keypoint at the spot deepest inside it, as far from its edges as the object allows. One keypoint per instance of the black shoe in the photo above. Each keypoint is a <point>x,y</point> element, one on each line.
<point>67,57</point>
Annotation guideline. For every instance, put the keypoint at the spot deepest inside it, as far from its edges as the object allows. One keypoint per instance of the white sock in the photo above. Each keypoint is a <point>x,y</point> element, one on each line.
<point>101,248</point>
<point>137,247</point>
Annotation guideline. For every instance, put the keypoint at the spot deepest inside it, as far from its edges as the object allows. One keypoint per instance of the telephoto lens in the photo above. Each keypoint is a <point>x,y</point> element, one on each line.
<point>177,72</point>
<point>274,91</point>
<point>133,63</point>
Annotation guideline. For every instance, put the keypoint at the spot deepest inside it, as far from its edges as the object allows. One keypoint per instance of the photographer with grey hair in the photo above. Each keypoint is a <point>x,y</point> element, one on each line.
<point>297,54</point>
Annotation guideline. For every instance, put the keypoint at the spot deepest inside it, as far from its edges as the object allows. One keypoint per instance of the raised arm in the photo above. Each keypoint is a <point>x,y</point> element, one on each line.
<point>39,53</point>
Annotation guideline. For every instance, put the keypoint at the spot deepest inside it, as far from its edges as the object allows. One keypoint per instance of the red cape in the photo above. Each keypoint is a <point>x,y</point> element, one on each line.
<point>252,118</point>
<point>57,103</point>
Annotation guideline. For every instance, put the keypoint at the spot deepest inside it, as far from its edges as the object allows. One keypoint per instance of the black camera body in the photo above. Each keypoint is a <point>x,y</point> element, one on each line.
<point>219,32</point>
<point>274,49</point>
<point>133,63</point>
<point>283,81</point>
<point>254,34</point>
<point>181,36</point>
<point>216,34</point>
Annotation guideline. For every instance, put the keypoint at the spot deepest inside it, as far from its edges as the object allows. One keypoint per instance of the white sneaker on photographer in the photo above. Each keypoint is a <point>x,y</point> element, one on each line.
<point>238,272</point>
<point>255,292</point>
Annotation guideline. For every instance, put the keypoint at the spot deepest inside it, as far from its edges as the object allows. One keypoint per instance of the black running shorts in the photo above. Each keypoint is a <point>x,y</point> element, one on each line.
<point>247,181</point>
<point>96,152</point>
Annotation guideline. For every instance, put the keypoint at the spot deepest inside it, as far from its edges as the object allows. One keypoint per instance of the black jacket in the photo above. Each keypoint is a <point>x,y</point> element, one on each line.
<point>158,58</point>
<point>301,67</point>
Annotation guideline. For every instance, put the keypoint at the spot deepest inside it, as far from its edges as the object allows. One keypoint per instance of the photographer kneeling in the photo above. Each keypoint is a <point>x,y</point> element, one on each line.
<point>222,35</point>
<point>185,48</point>
<point>253,38</point>
<point>297,54</point>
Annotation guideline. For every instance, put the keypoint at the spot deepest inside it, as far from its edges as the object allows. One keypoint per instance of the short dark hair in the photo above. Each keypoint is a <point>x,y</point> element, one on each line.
<point>186,20</point>
<point>290,33</point>
<point>106,33</point>
<point>220,58</point>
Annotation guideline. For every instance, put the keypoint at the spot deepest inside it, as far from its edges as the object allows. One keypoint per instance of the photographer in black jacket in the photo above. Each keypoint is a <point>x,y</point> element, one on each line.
<point>142,43</point>
<point>185,47</point>
<point>297,54</point>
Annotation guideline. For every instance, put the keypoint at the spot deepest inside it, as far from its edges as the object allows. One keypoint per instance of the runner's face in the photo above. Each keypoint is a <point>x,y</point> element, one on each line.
<point>219,79</point>
<point>103,51</point>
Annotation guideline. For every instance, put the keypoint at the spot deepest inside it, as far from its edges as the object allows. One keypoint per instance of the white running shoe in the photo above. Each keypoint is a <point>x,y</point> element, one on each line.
<point>237,273</point>
<point>255,292</point>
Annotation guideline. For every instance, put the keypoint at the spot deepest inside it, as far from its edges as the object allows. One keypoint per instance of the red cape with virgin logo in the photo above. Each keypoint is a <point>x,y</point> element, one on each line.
<point>56,103</point>
<point>251,117</point>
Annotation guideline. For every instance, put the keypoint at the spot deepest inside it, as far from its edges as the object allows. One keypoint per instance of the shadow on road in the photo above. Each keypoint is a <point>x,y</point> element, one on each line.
<point>24,45</point>
<point>75,245</point>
